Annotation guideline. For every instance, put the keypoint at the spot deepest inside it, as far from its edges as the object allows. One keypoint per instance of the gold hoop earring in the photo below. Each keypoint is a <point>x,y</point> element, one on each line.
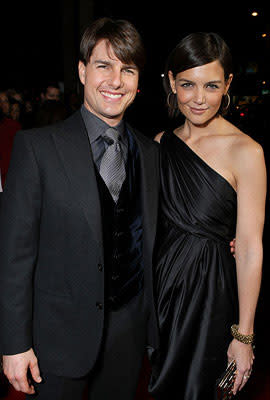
<point>168,100</point>
<point>228,100</point>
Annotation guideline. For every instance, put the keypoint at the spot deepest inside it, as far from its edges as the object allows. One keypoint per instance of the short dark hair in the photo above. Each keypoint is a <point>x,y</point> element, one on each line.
<point>192,51</point>
<point>120,34</point>
<point>49,84</point>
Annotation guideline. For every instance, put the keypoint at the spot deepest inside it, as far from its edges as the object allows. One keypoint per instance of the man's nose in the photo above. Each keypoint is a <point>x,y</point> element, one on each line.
<point>116,78</point>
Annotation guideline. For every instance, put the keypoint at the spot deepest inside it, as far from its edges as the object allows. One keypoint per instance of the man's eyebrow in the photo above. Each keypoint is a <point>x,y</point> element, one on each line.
<point>106,62</point>
<point>130,66</point>
<point>102,62</point>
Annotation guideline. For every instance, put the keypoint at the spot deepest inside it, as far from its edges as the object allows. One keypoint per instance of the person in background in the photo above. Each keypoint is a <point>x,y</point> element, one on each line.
<point>213,188</point>
<point>50,92</point>
<point>50,112</point>
<point>16,95</point>
<point>8,129</point>
<point>4,103</point>
<point>72,102</point>
<point>16,110</point>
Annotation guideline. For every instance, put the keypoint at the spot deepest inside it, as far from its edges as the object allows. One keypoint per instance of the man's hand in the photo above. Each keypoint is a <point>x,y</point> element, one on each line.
<point>232,245</point>
<point>16,368</point>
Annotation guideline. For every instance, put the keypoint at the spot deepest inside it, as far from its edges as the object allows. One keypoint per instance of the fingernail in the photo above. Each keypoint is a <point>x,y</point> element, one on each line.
<point>39,379</point>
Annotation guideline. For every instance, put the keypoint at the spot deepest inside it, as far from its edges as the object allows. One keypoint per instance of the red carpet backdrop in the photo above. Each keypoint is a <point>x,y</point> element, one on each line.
<point>257,389</point>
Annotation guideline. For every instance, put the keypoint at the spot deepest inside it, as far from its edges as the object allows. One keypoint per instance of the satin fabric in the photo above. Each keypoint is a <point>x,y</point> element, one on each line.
<point>194,275</point>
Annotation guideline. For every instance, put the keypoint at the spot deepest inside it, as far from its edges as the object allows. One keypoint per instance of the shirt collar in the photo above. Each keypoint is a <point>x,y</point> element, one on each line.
<point>96,127</point>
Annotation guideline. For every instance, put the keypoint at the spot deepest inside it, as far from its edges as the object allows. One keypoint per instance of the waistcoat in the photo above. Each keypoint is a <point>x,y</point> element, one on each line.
<point>122,234</point>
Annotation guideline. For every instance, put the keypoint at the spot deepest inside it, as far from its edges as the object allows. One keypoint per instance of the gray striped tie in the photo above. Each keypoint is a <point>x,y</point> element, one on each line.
<point>112,166</point>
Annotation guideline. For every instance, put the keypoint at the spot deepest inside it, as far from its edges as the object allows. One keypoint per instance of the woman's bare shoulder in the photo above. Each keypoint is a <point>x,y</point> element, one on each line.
<point>244,144</point>
<point>244,149</point>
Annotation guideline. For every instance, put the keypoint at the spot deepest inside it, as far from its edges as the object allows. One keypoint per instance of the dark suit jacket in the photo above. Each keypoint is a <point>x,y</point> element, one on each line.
<point>51,247</point>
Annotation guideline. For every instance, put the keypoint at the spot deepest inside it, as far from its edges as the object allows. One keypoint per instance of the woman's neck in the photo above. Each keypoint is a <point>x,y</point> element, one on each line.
<point>192,132</point>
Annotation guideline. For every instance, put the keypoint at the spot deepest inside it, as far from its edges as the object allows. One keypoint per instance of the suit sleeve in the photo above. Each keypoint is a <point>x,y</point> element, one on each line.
<point>19,238</point>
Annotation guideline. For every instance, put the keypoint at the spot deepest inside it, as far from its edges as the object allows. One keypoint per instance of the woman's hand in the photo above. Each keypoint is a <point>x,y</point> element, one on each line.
<point>232,247</point>
<point>243,355</point>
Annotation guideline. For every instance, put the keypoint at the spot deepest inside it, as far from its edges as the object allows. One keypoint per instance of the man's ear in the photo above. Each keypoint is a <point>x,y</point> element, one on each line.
<point>81,70</point>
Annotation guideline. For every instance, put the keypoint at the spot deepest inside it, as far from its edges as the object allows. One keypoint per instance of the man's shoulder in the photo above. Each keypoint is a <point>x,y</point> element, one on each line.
<point>142,137</point>
<point>45,131</point>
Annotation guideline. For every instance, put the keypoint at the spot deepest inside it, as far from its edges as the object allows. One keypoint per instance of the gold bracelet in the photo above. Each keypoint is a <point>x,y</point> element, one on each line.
<point>247,339</point>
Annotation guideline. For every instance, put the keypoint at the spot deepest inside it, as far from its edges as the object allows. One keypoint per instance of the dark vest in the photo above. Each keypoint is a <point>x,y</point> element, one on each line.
<point>122,234</point>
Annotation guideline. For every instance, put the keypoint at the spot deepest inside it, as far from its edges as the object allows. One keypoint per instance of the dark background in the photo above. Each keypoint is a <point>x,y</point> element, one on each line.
<point>40,42</point>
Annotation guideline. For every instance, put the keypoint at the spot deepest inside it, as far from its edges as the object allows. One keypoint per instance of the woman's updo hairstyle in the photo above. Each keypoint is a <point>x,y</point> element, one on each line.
<point>192,51</point>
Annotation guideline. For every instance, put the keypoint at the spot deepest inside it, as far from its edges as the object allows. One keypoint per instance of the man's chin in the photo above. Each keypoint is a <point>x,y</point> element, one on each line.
<point>113,116</point>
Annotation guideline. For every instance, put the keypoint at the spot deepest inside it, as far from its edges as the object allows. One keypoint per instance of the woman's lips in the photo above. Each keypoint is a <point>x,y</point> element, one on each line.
<point>198,111</point>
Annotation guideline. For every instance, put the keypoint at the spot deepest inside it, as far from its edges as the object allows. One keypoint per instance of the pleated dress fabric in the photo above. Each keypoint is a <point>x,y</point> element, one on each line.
<point>194,275</point>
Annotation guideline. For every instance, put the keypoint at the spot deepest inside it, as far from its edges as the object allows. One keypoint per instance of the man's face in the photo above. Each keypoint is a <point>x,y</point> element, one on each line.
<point>109,85</point>
<point>52,93</point>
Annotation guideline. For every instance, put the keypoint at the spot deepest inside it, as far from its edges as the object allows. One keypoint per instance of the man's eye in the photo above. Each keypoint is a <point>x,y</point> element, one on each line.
<point>129,71</point>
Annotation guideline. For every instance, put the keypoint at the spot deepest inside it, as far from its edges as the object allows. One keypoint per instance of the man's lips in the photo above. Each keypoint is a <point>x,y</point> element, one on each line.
<point>111,95</point>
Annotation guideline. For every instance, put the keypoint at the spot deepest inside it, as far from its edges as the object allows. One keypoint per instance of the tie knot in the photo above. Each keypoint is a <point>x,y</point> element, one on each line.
<point>111,135</point>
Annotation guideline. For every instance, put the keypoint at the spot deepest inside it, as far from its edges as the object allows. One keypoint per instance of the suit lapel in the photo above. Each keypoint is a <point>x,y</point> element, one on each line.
<point>74,149</point>
<point>72,143</point>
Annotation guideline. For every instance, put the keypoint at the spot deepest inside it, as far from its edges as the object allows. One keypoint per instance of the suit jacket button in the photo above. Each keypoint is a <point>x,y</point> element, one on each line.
<point>99,306</point>
<point>100,267</point>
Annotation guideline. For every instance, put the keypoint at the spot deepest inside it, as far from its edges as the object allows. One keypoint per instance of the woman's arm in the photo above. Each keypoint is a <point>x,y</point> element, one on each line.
<point>251,194</point>
<point>250,173</point>
<point>158,137</point>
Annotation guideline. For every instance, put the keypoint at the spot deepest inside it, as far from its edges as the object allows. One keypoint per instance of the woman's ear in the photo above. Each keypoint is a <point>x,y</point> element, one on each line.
<point>228,83</point>
<point>172,81</point>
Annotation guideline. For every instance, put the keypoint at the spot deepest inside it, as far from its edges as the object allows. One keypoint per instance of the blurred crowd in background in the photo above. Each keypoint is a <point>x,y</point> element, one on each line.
<point>37,107</point>
<point>27,109</point>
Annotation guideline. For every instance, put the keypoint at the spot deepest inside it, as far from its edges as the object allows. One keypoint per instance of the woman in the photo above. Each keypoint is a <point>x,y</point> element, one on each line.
<point>213,188</point>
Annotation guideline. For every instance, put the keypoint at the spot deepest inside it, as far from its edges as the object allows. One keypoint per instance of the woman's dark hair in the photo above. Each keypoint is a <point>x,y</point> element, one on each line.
<point>120,34</point>
<point>192,51</point>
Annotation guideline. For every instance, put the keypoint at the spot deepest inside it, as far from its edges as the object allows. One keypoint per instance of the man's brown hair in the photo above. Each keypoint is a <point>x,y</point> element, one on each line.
<point>123,37</point>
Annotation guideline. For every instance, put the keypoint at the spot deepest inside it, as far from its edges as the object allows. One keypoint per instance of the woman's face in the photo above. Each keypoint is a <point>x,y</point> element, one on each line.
<point>199,91</point>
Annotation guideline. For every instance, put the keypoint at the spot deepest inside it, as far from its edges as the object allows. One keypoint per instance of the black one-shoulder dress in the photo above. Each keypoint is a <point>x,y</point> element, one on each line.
<point>194,275</point>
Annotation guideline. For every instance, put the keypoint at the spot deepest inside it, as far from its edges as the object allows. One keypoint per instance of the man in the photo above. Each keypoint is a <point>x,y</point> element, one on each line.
<point>77,229</point>
<point>50,92</point>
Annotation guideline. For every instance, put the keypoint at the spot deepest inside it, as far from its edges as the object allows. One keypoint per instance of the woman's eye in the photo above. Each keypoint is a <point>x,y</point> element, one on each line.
<point>212,86</point>
<point>186,85</point>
